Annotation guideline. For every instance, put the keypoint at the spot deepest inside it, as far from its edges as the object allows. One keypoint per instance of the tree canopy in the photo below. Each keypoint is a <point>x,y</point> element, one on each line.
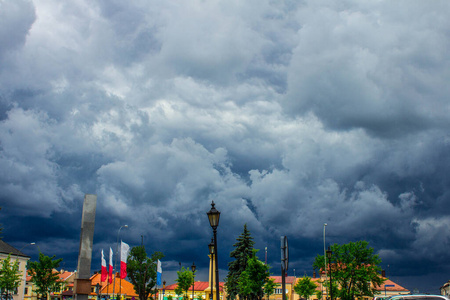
<point>355,270</point>
<point>9,275</point>
<point>185,280</point>
<point>44,274</point>
<point>305,287</point>
<point>142,271</point>
<point>269,287</point>
<point>253,279</point>
<point>242,251</point>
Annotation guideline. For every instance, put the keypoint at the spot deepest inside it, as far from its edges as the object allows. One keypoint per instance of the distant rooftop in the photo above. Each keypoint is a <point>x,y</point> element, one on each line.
<point>6,248</point>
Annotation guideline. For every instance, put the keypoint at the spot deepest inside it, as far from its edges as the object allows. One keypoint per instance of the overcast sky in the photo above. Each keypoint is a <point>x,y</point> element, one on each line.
<point>288,114</point>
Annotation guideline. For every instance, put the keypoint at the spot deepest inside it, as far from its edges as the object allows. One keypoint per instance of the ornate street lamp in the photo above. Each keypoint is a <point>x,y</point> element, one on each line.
<point>213,216</point>
<point>329,253</point>
<point>193,284</point>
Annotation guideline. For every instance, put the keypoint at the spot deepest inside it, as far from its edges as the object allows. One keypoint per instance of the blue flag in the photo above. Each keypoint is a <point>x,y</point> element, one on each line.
<point>158,273</point>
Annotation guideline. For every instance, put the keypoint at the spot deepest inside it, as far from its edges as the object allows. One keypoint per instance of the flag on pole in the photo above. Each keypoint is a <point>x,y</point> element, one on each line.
<point>158,273</point>
<point>104,272</point>
<point>110,279</point>
<point>124,249</point>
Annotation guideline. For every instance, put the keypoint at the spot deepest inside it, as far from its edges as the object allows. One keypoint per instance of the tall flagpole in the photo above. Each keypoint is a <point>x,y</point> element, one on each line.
<point>117,254</point>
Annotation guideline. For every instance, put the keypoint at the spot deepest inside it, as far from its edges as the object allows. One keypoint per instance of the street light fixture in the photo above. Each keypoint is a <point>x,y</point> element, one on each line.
<point>213,216</point>
<point>117,254</point>
<point>164,288</point>
<point>193,267</point>
<point>18,263</point>
<point>20,251</point>
<point>329,253</point>
<point>97,289</point>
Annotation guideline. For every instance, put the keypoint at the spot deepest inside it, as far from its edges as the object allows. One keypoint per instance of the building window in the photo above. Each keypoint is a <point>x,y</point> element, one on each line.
<point>26,291</point>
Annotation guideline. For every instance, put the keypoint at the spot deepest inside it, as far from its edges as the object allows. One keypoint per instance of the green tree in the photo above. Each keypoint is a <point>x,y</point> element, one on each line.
<point>9,276</point>
<point>355,270</point>
<point>319,294</point>
<point>305,287</point>
<point>242,251</point>
<point>269,287</point>
<point>142,271</point>
<point>185,280</point>
<point>253,279</point>
<point>44,275</point>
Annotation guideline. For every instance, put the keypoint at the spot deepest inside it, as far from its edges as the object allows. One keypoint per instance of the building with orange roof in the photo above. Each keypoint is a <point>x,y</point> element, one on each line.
<point>66,278</point>
<point>289,284</point>
<point>121,288</point>
<point>199,290</point>
<point>390,288</point>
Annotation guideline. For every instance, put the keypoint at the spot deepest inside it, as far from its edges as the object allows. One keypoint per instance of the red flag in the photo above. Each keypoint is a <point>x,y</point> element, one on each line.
<point>110,279</point>
<point>104,272</point>
<point>124,249</point>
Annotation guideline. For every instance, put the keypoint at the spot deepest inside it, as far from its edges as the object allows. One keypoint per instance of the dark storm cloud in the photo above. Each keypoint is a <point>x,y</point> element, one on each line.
<point>287,115</point>
<point>373,67</point>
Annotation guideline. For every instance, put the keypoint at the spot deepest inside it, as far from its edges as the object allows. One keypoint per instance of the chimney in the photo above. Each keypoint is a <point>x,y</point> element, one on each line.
<point>383,273</point>
<point>314,274</point>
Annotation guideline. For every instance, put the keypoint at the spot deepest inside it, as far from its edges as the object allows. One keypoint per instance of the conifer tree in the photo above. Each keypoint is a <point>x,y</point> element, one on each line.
<point>243,249</point>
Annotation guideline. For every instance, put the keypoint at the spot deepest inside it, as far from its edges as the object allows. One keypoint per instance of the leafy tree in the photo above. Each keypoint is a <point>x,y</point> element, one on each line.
<point>9,276</point>
<point>170,297</point>
<point>43,274</point>
<point>355,270</point>
<point>242,251</point>
<point>319,294</point>
<point>185,280</point>
<point>305,287</point>
<point>269,287</point>
<point>253,279</point>
<point>142,271</point>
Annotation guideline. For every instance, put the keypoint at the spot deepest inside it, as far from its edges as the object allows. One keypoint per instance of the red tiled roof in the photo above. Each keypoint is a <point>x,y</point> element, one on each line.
<point>65,275</point>
<point>396,287</point>
<point>288,279</point>
<point>96,278</point>
<point>121,286</point>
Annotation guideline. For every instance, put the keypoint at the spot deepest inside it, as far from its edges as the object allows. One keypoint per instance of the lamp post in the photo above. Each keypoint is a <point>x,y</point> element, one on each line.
<point>97,286</point>
<point>211,252</point>
<point>329,253</point>
<point>117,254</point>
<point>324,254</point>
<point>18,265</point>
<point>193,267</point>
<point>164,288</point>
<point>213,216</point>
